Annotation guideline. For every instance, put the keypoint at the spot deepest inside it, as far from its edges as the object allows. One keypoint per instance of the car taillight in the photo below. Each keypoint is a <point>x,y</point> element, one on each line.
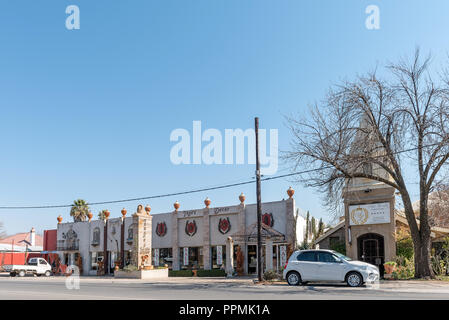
<point>285,266</point>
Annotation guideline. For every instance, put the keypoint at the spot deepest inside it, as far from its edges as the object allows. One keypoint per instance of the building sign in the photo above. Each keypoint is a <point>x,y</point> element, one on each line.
<point>185,256</point>
<point>369,213</point>
<point>189,213</point>
<point>156,257</point>
<point>282,255</point>
<point>219,255</point>
<point>221,210</point>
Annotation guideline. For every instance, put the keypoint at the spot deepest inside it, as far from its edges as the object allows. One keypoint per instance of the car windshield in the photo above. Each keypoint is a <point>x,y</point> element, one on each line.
<point>341,256</point>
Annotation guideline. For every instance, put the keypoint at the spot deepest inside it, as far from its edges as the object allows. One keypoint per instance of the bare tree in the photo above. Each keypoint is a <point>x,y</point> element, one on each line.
<point>367,128</point>
<point>439,208</point>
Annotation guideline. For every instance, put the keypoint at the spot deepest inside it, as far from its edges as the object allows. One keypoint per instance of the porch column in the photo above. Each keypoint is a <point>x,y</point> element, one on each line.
<point>206,236</point>
<point>242,230</point>
<point>174,240</point>
<point>229,257</point>
<point>268,254</point>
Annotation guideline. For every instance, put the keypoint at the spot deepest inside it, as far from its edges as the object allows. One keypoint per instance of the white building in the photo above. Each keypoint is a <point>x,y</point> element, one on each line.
<point>190,239</point>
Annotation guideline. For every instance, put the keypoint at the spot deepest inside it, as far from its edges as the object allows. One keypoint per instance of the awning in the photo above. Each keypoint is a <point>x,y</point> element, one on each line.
<point>250,234</point>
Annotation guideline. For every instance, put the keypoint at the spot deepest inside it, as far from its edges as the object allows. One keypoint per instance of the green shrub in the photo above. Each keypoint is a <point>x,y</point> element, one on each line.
<point>211,273</point>
<point>130,268</point>
<point>438,265</point>
<point>404,248</point>
<point>180,273</point>
<point>338,246</point>
<point>270,275</point>
<point>405,269</point>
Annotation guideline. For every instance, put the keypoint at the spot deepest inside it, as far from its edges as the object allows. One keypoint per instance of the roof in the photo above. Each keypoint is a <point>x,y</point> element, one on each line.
<point>399,216</point>
<point>18,237</point>
<point>267,232</point>
<point>331,231</point>
<point>9,247</point>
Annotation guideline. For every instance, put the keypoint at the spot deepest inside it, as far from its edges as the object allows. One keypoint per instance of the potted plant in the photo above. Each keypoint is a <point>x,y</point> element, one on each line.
<point>390,267</point>
<point>117,265</point>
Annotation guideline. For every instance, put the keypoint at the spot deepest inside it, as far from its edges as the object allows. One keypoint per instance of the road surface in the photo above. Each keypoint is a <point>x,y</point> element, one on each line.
<point>208,288</point>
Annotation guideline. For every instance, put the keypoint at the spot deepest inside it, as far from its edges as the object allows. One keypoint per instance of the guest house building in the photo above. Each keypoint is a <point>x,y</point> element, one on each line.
<point>183,239</point>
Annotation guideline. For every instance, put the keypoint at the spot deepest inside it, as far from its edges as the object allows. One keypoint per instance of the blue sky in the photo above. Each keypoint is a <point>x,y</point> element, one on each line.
<point>88,113</point>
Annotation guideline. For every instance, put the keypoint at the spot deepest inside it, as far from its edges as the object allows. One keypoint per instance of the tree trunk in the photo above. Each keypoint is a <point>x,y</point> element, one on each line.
<point>423,267</point>
<point>421,240</point>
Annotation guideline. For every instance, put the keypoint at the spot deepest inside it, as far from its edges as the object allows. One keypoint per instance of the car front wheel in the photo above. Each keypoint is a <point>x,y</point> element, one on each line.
<point>47,273</point>
<point>293,278</point>
<point>354,279</point>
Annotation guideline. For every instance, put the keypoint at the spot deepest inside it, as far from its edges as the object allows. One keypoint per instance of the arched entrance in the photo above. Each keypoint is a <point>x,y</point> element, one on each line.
<point>371,250</point>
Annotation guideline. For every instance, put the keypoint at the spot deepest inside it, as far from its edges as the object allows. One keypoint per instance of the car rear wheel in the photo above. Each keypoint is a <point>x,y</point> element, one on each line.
<point>293,278</point>
<point>47,273</point>
<point>22,273</point>
<point>354,279</point>
<point>12,274</point>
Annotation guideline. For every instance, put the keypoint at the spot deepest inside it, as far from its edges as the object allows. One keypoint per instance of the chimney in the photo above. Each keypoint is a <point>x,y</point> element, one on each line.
<point>33,237</point>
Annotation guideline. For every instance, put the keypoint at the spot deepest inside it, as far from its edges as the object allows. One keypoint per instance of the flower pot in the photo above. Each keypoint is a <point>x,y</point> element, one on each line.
<point>389,269</point>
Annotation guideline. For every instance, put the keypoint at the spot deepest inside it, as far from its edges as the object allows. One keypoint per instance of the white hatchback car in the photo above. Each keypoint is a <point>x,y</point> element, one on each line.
<point>329,266</point>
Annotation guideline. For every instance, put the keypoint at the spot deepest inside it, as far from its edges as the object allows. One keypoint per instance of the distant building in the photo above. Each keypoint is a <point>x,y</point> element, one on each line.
<point>20,242</point>
<point>17,248</point>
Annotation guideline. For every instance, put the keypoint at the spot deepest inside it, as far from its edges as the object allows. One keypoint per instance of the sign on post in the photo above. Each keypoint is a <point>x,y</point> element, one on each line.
<point>156,257</point>
<point>282,255</point>
<point>186,256</point>
<point>219,255</point>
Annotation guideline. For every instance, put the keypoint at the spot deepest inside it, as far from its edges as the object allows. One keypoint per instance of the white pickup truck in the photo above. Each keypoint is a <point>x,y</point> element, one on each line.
<point>35,266</point>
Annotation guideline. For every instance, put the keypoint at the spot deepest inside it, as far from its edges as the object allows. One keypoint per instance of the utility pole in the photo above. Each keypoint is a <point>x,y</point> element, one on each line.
<point>259,205</point>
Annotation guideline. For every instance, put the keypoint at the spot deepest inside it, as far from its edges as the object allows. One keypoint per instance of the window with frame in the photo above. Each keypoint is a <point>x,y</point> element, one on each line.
<point>308,256</point>
<point>326,257</point>
<point>130,233</point>
<point>96,236</point>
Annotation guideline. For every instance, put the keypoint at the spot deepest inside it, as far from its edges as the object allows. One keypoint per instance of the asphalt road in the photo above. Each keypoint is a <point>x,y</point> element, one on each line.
<point>206,289</point>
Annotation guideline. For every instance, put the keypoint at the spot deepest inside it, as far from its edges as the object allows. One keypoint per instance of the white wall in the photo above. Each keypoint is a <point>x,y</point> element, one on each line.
<point>165,241</point>
<point>278,209</point>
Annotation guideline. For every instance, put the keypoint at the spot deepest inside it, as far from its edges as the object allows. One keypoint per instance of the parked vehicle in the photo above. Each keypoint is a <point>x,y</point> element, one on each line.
<point>327,266</point>
<point>37,266</point>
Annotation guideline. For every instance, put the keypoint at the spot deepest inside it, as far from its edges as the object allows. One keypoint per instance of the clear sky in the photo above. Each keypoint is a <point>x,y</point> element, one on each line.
<point>88,113</point>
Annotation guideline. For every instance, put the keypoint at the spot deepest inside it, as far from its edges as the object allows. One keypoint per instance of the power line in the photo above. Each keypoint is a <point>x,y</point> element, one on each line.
<point>191,191</point>
<point>161,195</point>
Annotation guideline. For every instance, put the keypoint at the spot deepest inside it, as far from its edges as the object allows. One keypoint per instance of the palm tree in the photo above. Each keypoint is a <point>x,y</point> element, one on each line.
<point>101,214</point>
<point>79,210</point>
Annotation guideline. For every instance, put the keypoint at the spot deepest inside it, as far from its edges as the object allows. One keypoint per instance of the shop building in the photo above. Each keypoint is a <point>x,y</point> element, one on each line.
<point>371,223</point>
<point>206,238</point>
